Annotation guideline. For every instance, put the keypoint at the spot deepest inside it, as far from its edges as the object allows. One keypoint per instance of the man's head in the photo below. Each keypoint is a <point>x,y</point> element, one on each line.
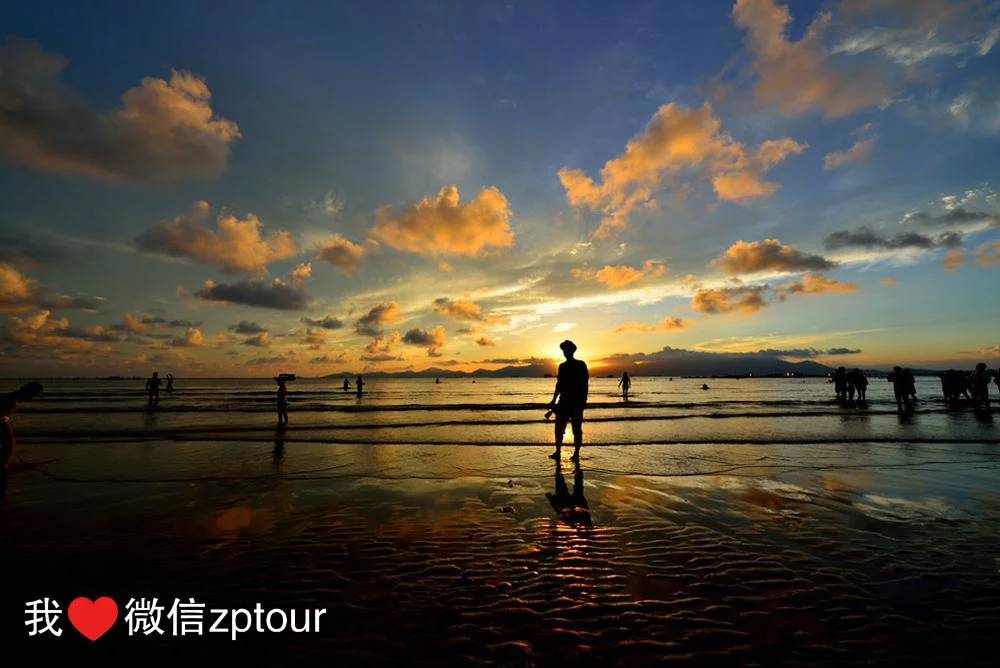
<point>156,374</point>
<point>896,369</point>
<point>981,366</point>
<point>568,348</point>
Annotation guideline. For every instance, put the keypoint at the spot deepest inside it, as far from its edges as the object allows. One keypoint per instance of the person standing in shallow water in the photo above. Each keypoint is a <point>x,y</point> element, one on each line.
<point>153,390</point>
<point>8,402</point>
<point>572,386</point>
<point>360,383</point>
<point>282,401</point>
<point>626,384</point>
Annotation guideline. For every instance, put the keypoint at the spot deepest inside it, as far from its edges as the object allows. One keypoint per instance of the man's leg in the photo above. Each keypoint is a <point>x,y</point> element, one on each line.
<point>560,430</point>
<point>577,422</point>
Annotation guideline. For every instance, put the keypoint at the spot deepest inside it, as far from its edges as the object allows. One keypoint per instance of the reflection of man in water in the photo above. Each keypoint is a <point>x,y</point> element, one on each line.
<point>573,508</point>
<point>571,390</point>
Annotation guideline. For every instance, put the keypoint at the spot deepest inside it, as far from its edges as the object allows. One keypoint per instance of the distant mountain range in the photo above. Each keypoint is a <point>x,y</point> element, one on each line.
<point>666,362</point>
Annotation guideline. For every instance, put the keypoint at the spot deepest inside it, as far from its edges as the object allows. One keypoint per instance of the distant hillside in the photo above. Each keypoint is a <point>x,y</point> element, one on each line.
<point>666,362</point>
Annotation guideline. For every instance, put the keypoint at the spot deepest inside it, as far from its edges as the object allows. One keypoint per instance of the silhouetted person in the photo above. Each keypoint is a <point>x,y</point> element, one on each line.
<point>572,387</point>
<point>704,386</point>
<point>840,383</point>
<point>626,384</point>
<point>572,508</point>
<point>955,385</point>
<point>437,381</point>
<point>911,385</point>
<point>347,385</point>
<point>981,385</point>
<point>857,382</point>
<point>170,383</point>
<point>282,401</point>
<point>8,403</point>
<point>153,390</point>
<point>360,384</point>
<point>902,387</point>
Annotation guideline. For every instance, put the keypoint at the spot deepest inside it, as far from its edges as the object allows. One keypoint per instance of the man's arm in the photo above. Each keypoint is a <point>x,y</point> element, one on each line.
<point>586,384</point>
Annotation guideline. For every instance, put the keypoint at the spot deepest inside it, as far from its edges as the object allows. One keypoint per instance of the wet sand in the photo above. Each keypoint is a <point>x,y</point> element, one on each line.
<point>828,553</point>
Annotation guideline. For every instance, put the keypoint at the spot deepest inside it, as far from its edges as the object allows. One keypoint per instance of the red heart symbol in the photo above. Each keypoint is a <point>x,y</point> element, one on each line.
<point>93,618</point>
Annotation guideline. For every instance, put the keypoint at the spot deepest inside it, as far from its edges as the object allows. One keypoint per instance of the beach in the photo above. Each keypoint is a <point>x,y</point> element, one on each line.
<point>757,522</point>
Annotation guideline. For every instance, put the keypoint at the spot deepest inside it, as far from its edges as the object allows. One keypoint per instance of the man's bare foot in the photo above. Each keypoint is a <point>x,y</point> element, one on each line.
<point>554,455</point>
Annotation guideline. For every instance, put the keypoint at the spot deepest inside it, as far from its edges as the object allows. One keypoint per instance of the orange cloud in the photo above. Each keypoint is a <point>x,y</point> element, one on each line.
<point>746,300</point>
<point>236,246</point>
<point>888,282</point>
<point>799,77</point>
<point>768,255</point>
<point>817,284</point>
<point>301,273</point>
<point>953,260</point>
<point>668,324</point>
<point>459,309</point>
<point>444,225</point>
<point>20,293</point>
<point>371,323</point>
<point>342,254</point>
<point>432,340</point>
<point>988,254</point>
<point>676,138</point>
<point>859,152</point>
<point>164,130</point>
<point>620,276</point>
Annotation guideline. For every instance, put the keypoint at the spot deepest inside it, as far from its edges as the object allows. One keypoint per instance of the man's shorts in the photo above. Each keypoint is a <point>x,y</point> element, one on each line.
<point>571,415</point>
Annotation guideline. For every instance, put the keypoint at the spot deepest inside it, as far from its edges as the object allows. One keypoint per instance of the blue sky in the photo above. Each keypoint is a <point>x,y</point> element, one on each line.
<point>331,125</point>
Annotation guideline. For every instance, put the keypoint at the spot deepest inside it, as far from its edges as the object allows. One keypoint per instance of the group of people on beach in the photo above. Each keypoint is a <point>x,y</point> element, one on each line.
<point>153,388</point>
<point>848,383</point>
<point>973,385</point>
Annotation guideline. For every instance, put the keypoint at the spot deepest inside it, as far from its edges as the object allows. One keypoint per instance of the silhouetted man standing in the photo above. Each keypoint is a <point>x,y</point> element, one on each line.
<point>572,385</point>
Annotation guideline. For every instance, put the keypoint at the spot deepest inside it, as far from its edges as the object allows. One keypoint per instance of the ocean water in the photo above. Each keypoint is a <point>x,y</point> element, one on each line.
<point>755,523</point>
<point>504,411</point>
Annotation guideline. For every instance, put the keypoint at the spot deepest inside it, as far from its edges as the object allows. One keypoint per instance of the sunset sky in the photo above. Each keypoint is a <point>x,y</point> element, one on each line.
<point>208,189</point>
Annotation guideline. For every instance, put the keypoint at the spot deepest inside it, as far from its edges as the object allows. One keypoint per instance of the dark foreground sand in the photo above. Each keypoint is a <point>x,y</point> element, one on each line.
<point>825,554</point>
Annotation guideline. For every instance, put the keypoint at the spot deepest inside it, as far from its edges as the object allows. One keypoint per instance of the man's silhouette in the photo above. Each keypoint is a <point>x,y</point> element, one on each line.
<point>571,391</point>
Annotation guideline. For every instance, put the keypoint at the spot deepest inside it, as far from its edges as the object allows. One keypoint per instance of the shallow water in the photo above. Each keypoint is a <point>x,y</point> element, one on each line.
<point>783,529</point>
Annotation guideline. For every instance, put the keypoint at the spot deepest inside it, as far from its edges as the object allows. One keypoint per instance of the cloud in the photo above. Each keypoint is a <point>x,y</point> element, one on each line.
<point>676,139</point>
<point>459,309</point>
<point>314,337</point>
<point>953,217</point>
<point>259,340</point>
<point>381,347</point>
<point>247,327</point>
<point>888,282</point>
<point>485,341</point>
<point>620,276</point>
<point>860,151</point>
<point>371,323</point>
<point>432,340</point>
<point>953,260</point>
<point>20,293</point>
<point>301,273</point>
<point>909,32</point>
<point>342,254</point>
<point>988,254</point>
<point>669,324</point>
<point>164,130</point>
<point>866,237</point>
<point>96,333</point>
<point>443,225</point>
<point>746,300</point>
<point>768,255</point>
<point>55,335</point>
<point>327,322</point>
<point>235,246</point>
<point>800,77</point>
<point>192,338</point>
<point>276,294</point>
<point>816,284</point>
